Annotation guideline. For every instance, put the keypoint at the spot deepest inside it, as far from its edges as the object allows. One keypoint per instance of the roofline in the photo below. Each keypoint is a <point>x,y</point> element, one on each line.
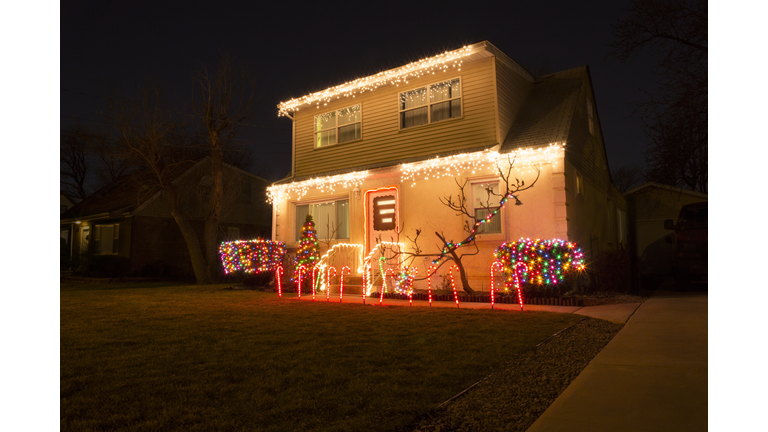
<point>515,66</point>
<point>472,48</point>
<point>670,188</point>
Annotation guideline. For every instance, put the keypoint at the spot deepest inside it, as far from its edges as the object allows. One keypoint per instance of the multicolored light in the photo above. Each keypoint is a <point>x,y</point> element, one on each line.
<point>251,256</point>
<point>545,261</point>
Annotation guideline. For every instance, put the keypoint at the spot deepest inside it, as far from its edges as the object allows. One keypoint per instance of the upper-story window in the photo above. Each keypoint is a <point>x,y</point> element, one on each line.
<point>591,115</point>
<point>430,104</point>
<point>338,126</point>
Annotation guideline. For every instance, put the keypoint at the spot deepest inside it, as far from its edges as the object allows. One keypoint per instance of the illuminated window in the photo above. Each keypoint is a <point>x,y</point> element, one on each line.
<point>485,199</point>
<point>338,126</point>
<point>591,116</point>
<point>579,185</point>
<point>384,214</point>
<point>331,219</point>
<point>430,104</point>
<point>106,238</point>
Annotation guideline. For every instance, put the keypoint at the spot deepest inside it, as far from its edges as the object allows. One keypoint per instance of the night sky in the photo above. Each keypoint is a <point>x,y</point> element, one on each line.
<point>294,48</point>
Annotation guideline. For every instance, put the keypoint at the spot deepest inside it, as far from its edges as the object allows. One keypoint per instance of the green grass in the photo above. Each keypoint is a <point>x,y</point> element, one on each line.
<point>159,357</point>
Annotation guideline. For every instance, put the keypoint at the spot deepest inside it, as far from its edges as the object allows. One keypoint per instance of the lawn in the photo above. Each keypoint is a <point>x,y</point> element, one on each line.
<point>158,357</point>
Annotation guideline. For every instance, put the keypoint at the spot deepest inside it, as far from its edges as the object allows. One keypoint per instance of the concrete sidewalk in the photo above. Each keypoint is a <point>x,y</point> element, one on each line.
<point>651,377</point>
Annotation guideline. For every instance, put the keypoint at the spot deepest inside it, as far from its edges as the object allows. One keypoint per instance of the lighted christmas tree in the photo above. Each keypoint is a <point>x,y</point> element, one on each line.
<point>308,253</point>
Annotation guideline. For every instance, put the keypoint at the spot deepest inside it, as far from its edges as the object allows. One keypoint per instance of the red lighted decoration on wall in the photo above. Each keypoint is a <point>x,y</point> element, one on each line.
<point>251,256</point>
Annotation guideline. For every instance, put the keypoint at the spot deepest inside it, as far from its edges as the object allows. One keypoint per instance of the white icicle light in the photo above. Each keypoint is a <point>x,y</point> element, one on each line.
<point>441,62</point>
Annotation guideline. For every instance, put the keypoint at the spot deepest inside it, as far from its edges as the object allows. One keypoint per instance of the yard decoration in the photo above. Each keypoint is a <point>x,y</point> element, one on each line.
<point>412,273</point>
<point>278,278</point>
<point>308,254</point>
<point>515,272</point>
<point>341,287</point>
<point>546,261</point>
<point>314,280</point>
<point>251,256</point>
<point>497,266</point>
<point>328,283</point>
<point>301,273</point>
<point>453,284</point>
<point>430,272</point>
<point>366,269</point>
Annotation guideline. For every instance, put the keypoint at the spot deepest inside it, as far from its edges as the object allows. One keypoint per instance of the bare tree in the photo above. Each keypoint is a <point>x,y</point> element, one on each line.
<point>222,102</point>
<point>675,118</point>
<point>74,152</point>
<point>627,177</point>
<point>449,250</point>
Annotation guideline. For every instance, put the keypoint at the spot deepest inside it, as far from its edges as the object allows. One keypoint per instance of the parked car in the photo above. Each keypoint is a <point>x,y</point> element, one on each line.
<point>690,244</point>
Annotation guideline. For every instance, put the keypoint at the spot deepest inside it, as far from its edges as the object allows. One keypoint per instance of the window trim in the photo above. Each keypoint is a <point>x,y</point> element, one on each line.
<point>480,180</point>
<point>336,127</point>
<point>579,179</point>
<point>320,200</point>
<point>96,238</point>
<point>429,104</point>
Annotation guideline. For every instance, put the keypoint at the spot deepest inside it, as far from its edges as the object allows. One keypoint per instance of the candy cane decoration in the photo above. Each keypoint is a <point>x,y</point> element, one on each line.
<point>453,284</point>
<point>389,272</point>
<point>366,269</point>
<point>278,276</point>
<point>414,271</point>
<point>328,283</point>
<point>341,288</point>
<point>517,283</point>
<point>500,265</point>
<point>315,269</point>
<point>301,271</point>
<point>429,283</point>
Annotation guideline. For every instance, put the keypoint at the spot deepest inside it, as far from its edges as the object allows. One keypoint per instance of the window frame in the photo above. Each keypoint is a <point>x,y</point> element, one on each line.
<point>96,238</point>
<point>322,200</point>
<point>579,179</point>
<point>336,127</point>
<point>429,104</point>
<point>482,180</point>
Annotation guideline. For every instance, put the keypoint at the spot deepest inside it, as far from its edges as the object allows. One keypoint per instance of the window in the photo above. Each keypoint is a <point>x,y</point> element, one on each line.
<point>384,213</point>
<point>430,104</point>
<point>621,226</point>
<point>579,185</point>
<point>233,233</point>
<point>328,217</point>
<point>483,202</point>
<point>338,126</point>
<point>591,116</point>
<point>105,238</point>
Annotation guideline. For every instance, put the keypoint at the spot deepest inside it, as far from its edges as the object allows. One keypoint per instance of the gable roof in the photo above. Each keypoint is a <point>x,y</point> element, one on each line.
<point>128,194</point>
<point>547,113</point>
<point>669,188</point>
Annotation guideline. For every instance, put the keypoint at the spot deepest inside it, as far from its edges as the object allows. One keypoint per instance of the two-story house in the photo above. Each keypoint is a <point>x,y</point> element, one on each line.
<point>372,157</point>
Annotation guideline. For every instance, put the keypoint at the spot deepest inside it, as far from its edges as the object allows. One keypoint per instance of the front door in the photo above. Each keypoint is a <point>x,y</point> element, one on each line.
<point>382,217</point>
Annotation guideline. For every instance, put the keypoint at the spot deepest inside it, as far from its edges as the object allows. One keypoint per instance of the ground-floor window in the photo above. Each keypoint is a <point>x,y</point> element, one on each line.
<point>106,238</point>
<point>485,198</point>
<point>331,219</point>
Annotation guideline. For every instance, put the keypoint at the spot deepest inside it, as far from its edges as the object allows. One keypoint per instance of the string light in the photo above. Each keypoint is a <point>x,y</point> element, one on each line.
<point>430,272</point>
<point>251,256</point>
<point>546,261</point>
<point>412,273</point>
<point>278,278</point>
<point>428,66</point>
<point>453,283</point>
<point>519,266</point>
<point>281,192</point>
<point>314,280</point>
<point>301,271</point>
<point>339,247</point>
<point>365,280</point>
<point>328,281</point>
<point>341,287</point>
<point>499,266</point>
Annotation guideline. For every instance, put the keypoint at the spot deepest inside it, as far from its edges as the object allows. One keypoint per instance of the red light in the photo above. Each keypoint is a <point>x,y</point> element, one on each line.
<point>328,280</point>
<point>278,276</point>
<point>500,265</point>
<point>341,288</point>
<point>453,284</point>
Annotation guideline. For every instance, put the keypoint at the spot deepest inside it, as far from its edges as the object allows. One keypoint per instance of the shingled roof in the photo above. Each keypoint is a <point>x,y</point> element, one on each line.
<point>547,113</point>
<point>124,194</point>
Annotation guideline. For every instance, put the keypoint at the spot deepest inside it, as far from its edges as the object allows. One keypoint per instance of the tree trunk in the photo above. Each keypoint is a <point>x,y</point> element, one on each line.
<point>215,203</point>
<point>199,264</point>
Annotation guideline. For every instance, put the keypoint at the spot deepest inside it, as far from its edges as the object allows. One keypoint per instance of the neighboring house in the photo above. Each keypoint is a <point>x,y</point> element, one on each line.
<point>373,156</point>
<point>649,205</point>
<point>126,218</point>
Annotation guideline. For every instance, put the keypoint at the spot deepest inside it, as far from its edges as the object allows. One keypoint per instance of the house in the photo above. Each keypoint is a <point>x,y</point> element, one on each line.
<point>128,218</point>
<point>648,206</point>
<point>371,158</point>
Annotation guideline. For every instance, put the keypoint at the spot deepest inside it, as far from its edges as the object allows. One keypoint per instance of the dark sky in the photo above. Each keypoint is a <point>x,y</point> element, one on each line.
<point>295,48</point>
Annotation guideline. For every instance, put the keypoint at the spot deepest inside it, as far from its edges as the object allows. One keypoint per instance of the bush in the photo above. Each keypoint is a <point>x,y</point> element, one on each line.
<point>261,279</point>
<point>111,266</point>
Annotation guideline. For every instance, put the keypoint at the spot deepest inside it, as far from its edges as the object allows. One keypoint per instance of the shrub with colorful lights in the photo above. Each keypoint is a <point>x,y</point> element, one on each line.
<point>544,262</point>
<point>251,256</point>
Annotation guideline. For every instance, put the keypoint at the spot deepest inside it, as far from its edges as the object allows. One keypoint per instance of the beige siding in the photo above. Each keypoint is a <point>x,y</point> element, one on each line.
<point>513,90</point>
<point>382,140</point>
